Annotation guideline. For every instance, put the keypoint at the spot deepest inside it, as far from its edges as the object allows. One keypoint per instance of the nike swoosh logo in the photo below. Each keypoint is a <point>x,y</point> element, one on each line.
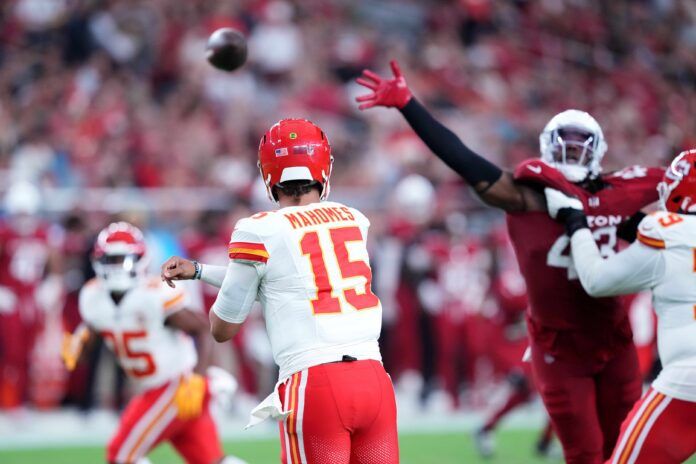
<point>534,169</point>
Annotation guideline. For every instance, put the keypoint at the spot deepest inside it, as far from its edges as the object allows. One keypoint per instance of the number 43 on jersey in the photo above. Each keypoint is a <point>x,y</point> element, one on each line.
<point>559,254</point>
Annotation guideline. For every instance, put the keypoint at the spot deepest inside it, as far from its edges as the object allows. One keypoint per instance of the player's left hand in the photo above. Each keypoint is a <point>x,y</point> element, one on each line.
<point>189,397</point>
<point>392,93</point>
<point>556,201</point>
<point>176,268</point>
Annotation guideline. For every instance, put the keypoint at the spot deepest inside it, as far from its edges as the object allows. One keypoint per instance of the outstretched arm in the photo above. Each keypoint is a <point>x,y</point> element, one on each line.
<point>176,268</point>
<point>495,187</point>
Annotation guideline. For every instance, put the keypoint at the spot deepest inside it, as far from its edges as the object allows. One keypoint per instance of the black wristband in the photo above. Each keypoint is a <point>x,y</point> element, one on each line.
<point>628,230</point>
<point>574,220</point>
<point>449,148</point>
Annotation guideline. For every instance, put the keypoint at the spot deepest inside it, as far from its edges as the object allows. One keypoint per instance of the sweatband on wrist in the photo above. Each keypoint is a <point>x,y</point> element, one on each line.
<point>197,270</point>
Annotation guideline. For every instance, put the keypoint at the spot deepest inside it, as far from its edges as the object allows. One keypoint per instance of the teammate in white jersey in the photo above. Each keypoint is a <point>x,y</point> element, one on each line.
<point>661,428</point>
<point>148,327</point>
<point>307,264</point>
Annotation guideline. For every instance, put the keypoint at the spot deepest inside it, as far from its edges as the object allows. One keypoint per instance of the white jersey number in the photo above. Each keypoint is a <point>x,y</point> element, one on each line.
<point>559,254</point>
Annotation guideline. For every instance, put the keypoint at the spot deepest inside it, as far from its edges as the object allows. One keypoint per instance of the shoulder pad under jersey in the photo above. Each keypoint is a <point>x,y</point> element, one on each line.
<point>173,299</point>
<point>249,236</point>
<point>539,172</point>
<point>637,173</point>
<point>663,229</point>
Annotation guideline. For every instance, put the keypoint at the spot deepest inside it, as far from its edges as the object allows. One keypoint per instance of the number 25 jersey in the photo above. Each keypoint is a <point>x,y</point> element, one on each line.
<point>148,350</point>
<point>315,283</point>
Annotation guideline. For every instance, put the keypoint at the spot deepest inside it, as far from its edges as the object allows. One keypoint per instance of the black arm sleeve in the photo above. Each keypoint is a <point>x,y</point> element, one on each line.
<point>449,148</point>
<point>628,230</point>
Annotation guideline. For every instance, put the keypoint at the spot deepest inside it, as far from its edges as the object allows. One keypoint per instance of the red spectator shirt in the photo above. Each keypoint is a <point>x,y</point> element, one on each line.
<point>23,257</point>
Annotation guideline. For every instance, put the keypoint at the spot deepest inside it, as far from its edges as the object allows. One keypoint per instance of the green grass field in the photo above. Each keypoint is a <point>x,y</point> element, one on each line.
<point>514,447</point>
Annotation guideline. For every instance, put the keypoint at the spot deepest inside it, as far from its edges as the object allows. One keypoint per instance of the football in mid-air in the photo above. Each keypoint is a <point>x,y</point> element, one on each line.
<point>226,49</point>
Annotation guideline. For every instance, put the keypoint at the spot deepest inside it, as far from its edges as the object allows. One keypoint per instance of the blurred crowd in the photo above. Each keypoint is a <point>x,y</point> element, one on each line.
<point>116,94</point>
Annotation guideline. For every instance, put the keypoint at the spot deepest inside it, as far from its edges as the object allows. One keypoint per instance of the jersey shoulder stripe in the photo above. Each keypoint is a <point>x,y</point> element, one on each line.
<point>249,257</point>
<point>251,246</point>
<point>664,229</point>
<point>248,251</point>
<point>651,242</point>
<point>173,303</point>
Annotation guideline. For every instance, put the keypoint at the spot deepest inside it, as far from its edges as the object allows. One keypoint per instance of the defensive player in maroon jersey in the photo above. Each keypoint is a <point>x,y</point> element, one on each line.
<point>28,255</point>
<point>582,356</point>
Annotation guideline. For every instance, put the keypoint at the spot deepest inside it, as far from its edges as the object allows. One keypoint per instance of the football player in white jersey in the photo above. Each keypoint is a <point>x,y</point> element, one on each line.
<point>661,427</point>
<point>307,264</point>
<point>148,327</point>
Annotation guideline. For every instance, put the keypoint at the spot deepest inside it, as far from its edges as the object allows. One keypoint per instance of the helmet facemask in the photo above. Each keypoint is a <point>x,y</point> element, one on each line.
<point>120,272</point>
<point>573,143</point>
<point>119,258</point>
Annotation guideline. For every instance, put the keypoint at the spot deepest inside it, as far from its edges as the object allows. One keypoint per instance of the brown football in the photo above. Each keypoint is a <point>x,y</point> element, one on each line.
<point>226,49</point>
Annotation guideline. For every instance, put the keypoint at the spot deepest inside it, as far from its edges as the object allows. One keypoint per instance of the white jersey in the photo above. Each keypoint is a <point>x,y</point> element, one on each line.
<point>148,351</point>
<point>314,284</point>
<point>674,299</point>
<point>663,259</point>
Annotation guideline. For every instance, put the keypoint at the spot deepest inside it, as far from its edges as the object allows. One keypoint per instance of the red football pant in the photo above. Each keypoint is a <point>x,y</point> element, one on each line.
<point>659,429</point>
<point>587,400</point>
<point>342,413</point>
<point>151,418</point>
<point>16,342</point>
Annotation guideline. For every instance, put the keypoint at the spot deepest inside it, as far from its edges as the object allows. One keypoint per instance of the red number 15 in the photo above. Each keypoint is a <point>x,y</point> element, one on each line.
<point>326,302</point>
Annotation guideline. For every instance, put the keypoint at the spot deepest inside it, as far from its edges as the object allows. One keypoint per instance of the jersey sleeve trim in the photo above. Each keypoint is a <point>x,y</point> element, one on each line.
<point>248,251</point>
<point>173,303</point>
<point>651,242</point>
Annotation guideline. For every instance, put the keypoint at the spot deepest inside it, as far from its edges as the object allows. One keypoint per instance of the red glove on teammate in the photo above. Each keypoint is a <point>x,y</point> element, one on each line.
<point>392,93</point>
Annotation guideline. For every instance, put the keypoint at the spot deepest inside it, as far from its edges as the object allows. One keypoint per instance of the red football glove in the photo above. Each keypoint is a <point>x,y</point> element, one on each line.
<point>392,93</point>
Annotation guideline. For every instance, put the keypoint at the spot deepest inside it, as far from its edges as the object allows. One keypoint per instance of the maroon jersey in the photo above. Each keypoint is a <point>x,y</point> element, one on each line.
<point>558,303</point>
<point>23,257</point>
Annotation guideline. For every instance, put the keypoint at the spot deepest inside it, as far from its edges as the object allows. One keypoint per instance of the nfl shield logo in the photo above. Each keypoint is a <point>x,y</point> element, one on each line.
<point>281,152</point>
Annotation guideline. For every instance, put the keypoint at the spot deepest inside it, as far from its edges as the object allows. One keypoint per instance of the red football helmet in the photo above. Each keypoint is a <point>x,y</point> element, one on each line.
<point>295,149</point>
<point>119,256</point>
<point>678,187</point>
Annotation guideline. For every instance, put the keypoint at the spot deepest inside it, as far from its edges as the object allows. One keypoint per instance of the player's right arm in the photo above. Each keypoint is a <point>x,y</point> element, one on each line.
<point>248,257</point>
<point>639,267</point>
<point>234,301</point>
<point>178,268</point>
<point>238,284</point>
<point>494,186</point>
